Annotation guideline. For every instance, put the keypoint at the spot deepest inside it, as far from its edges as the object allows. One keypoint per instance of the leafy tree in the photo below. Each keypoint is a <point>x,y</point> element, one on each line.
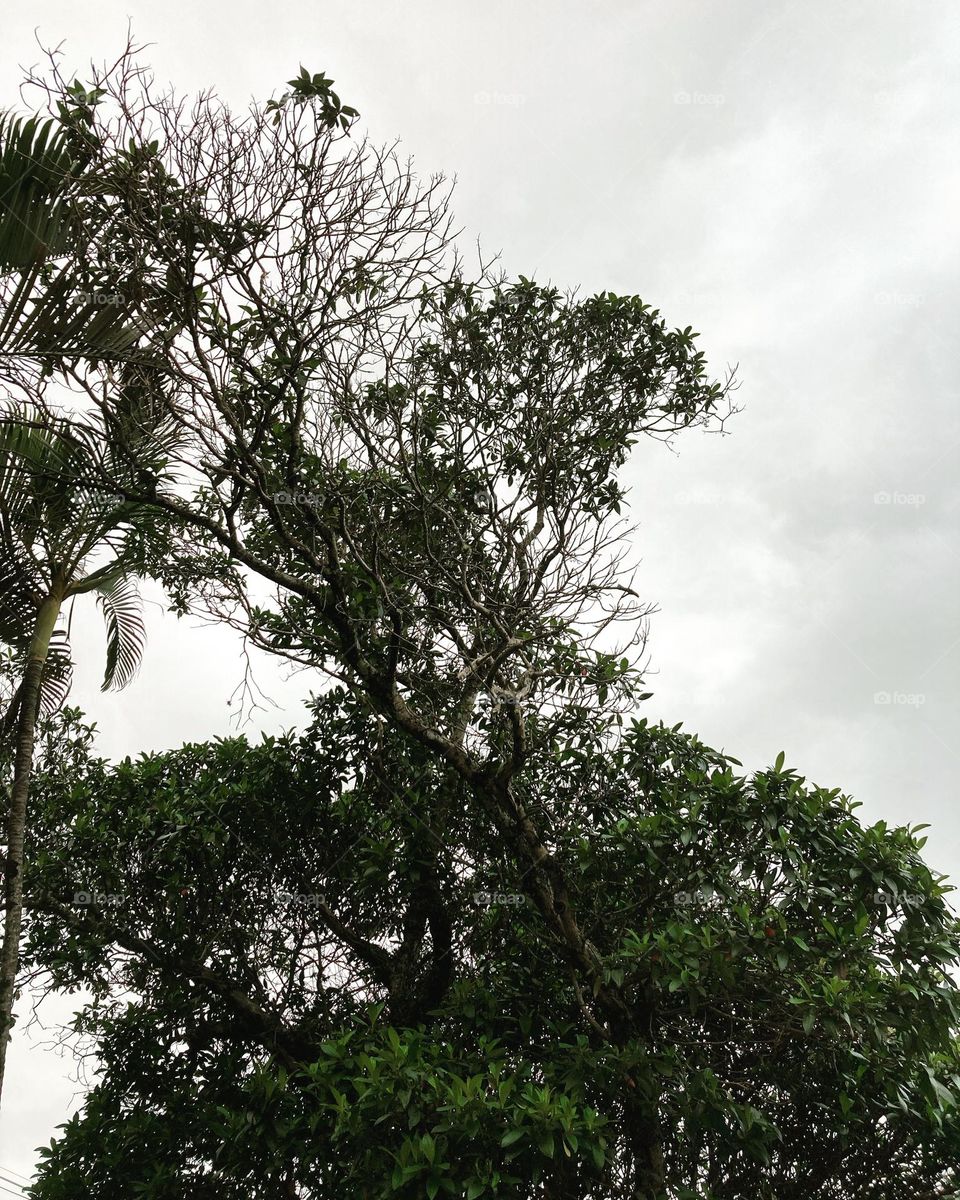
<point>422,467</point>
<point>406,479</point>
<point>313,975</point>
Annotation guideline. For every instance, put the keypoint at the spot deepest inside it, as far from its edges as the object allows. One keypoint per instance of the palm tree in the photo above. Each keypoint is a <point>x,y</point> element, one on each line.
<point>60,537</point>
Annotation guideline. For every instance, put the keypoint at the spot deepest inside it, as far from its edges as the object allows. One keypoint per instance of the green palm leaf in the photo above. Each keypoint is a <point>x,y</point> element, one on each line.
<point>47,311</point>
<point>18,603</point>
<point>57,673</point>
<point>34,169</point>
<point>122,610</point>
<point>41,475</point>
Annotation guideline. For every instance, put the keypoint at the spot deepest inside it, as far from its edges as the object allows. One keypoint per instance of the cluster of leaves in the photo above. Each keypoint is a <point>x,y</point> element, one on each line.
<point>565,386</point>
<point>796,962</point>
<point>314,87</point>
<point>74,285</point>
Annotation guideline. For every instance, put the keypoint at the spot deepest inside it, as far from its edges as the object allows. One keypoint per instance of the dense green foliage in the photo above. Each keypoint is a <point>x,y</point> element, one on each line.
<point>795,963</point>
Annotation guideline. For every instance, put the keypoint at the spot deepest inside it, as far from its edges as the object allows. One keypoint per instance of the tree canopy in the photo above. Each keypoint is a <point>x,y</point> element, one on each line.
<point>479,930</point>
<point>313,975</point>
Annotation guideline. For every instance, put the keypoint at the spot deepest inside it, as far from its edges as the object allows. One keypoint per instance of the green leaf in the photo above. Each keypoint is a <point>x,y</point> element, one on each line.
<point>126,634</point>
<point>547,1144</point>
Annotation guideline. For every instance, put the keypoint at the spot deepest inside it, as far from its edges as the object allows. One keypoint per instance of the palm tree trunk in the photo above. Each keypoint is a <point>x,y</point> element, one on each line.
<point>17,815</point>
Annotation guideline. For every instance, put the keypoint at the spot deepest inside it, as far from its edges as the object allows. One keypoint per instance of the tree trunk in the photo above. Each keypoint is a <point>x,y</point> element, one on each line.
<point>641,1127</point>
<point>17,815</point>
<point>649,1165</point>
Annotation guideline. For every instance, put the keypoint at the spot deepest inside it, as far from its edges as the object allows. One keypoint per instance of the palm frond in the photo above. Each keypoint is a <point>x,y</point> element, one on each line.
<point>8,720</point>
<point>69,318</point>
<point>41,474</point>
<point>35,165</point>
<point>19,588</point>
<point>50,311</point>
<point>24,454</point>
<point>50,479</point>
<point>57,673</point>
<point>55,685</point>
<point>126,635</point>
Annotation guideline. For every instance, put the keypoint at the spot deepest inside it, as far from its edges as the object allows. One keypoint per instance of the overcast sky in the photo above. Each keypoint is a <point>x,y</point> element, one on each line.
<point>779,175</point>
